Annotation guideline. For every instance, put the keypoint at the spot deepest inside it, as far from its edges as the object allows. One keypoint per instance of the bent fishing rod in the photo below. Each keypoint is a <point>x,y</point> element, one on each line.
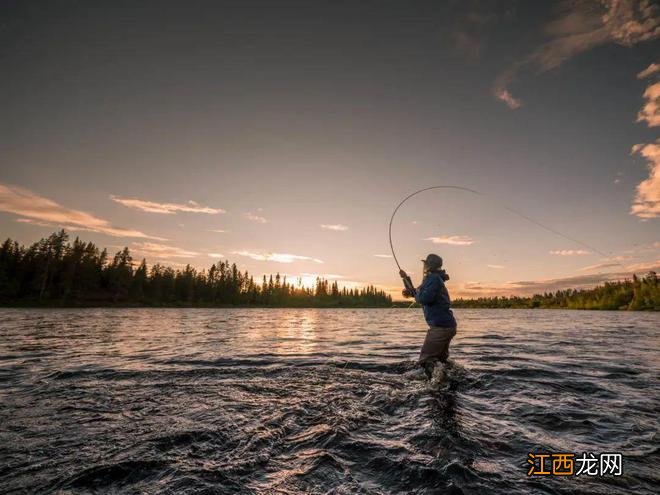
<point>407,282</point>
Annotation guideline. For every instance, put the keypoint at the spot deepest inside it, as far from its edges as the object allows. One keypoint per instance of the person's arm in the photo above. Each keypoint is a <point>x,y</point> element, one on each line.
<point>429,290</point>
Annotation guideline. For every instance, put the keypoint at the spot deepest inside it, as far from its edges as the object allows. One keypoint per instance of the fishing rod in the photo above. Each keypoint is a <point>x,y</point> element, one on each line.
<point>407,282</point>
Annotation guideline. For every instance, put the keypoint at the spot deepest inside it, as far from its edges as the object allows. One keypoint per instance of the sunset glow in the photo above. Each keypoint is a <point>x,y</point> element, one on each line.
<point>288,152</point>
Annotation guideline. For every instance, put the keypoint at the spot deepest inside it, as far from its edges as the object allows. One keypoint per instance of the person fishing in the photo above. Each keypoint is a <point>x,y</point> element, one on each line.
<point>432,294</point>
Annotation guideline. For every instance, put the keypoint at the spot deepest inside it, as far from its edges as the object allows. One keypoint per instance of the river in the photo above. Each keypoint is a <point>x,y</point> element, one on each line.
<point>322,401</point>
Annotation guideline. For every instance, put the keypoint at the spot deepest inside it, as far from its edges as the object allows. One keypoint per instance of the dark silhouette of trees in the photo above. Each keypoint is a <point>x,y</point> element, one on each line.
<point>636,294</point>
<point>54,271</point>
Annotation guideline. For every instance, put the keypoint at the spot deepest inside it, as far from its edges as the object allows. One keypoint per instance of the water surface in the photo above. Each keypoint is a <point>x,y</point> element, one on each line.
<point>321,401</point>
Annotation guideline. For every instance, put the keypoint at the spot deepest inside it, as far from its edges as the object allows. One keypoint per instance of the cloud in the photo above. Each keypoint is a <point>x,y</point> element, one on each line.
<point>165,208</point>
<point>37,223</point>
<point>177,264</point>
<point>646,204</point>
<point>645,266</point>
<point>46,212</point>
<point>643,248</point>
<point>599,266</point>
<point>255,218</point>
<point>647,193</point>
<point>631,21</point>
<point>621,257</point>
<point>383,255</point>
<point>336,226</point>
<point>276,257</point>
<point>496,267</point>
<point>454,240</point>
<point>579,26</point>
<point>504,95</point>
<point>610,261</point>
<point>569,252</point>
<point>650,112</point>
<point>528,287</point>
<point>649,71</point>
<point>154,250</point>
<point>216,255</point>
<point>217,231</point>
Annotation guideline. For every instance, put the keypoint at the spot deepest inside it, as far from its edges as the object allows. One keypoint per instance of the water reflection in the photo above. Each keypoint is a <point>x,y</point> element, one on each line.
<point>291,334</point>
<point>318,401</point>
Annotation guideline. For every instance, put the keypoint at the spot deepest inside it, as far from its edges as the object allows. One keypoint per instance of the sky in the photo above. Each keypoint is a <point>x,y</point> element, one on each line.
<point>281,135</point>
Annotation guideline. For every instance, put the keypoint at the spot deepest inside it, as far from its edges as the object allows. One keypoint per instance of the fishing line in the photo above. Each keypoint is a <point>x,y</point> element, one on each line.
<point>505,207</point>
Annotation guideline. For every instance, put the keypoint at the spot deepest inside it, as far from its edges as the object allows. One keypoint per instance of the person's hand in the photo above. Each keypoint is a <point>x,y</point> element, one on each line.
<point>406,293</point>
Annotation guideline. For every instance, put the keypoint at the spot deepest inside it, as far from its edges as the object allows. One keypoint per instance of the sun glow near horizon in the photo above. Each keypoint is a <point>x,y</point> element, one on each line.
<point>297,163</point>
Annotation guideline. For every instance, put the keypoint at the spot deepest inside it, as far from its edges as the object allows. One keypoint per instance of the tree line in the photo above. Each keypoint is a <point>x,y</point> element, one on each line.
<point>55,271</point>
<point>636,294</point>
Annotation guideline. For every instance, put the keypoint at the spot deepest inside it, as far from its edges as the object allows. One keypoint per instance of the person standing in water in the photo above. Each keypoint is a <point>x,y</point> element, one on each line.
<point>434,298</point>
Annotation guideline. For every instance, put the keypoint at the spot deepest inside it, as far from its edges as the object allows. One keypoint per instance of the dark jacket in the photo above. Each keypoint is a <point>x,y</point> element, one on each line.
<point>434,298</point>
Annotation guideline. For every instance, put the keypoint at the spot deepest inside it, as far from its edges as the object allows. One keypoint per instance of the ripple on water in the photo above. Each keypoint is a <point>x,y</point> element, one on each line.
<point>320,401</point>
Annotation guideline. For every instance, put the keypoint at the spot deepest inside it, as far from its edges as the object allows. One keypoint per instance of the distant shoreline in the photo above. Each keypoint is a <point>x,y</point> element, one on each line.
<point>394,305</point>
<point>183,306</point>
<point>406,305</point>
<point>56,273</point>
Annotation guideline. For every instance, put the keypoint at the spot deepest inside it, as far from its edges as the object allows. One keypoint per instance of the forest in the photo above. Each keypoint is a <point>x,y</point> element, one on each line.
<point>57,272</point>
<point>637,294</point>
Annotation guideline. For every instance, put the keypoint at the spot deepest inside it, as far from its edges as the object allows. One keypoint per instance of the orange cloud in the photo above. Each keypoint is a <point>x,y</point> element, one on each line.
<point>650,112</point>
<point>649,71</point>
<point>454,240</point>
<point>599,266</point>
<point>153,250</point>
<point>579,26</point>
<point>43,211</point>
<point>165,208</point>
<point>337,226</point>
<point>276,257</point>
<point>569,252</point>
<point>504,95</point>
<point>647,198</point>
<point>255,218</point>
<point>529,287</point>
<point>645,266</point>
